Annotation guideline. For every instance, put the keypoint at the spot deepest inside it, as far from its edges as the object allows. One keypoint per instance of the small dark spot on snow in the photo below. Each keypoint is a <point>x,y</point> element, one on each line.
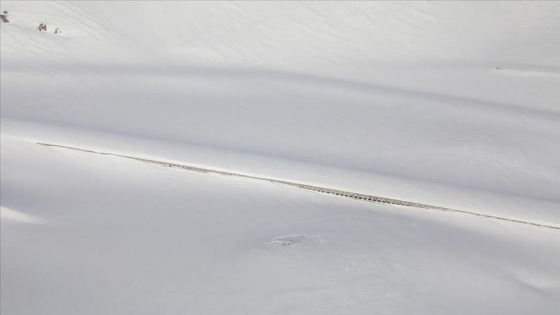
<point>289,240</point>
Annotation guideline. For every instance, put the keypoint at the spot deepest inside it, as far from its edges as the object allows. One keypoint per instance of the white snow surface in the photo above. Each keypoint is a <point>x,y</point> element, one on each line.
<point>452,104</point>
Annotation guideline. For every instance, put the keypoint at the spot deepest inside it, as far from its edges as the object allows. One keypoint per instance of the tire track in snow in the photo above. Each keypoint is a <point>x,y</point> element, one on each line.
<point>325,190</point>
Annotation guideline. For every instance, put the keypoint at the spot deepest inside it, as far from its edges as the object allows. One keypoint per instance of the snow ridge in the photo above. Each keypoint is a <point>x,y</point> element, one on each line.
<point>325,190</point>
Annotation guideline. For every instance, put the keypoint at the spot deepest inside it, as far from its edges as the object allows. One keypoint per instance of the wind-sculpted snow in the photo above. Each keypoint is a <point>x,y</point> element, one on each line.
<point>443,114</point>
<point>475,118</point>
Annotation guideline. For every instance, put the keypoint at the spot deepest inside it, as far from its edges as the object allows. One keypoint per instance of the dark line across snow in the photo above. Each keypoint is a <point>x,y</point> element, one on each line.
<point>325,190</point>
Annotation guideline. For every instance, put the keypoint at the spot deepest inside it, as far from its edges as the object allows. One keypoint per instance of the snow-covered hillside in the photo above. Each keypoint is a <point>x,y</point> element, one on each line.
<point>451,104</point>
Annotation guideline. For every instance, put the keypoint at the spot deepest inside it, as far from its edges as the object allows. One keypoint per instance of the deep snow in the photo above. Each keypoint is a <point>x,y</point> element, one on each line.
<point>453,104</point>
<point>115,236</point>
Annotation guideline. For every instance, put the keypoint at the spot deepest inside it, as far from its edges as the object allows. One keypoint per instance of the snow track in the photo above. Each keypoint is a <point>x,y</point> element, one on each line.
<point>325,190</point>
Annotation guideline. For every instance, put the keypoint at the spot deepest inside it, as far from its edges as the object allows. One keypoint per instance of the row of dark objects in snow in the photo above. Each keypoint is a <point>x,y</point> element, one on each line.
<point>41,27</point>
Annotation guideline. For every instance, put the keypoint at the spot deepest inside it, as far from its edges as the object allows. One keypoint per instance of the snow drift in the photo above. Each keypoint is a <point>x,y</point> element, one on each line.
<point>453,104</point>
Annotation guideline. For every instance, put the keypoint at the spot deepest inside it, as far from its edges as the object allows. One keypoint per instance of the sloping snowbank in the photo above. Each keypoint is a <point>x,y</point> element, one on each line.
<point>446,103</point>
<point>130,238</point>
<point>430,106</point>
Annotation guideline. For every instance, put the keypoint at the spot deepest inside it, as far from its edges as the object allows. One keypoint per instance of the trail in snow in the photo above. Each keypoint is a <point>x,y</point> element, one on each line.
<point>341,193</point>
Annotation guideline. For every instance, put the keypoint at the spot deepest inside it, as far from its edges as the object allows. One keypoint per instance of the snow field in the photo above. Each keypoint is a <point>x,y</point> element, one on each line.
<point>202,244</point>
<point>451,104</point>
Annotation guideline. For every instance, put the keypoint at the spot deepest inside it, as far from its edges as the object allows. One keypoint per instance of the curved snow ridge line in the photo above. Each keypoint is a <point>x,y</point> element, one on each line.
<point>325,190</point>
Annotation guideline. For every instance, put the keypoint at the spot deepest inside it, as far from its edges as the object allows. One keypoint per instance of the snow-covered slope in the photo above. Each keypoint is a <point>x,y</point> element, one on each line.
<point>452,104</point>
<point>382,91</point>
<point>105,235</point>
